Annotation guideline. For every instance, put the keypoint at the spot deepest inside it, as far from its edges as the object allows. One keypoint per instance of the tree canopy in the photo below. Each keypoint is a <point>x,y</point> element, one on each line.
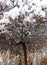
<point>21,20</point>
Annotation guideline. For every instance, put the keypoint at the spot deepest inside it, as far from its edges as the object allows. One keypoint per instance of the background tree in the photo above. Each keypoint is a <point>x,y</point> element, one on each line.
<point>23,23</point>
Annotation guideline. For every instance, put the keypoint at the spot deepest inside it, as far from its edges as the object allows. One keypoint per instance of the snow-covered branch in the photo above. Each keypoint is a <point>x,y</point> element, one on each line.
<point>15,8</point>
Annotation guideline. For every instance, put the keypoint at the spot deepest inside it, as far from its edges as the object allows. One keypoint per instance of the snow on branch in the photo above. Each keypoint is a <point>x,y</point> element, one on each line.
<point>28,8</point>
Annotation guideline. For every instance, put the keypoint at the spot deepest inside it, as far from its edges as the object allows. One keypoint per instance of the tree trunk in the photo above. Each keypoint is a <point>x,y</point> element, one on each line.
<point>24,49</point>
<point>25,53</point>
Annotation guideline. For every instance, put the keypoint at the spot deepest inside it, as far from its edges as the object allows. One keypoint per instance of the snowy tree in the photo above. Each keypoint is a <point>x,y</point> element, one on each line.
<point>21,22</point>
